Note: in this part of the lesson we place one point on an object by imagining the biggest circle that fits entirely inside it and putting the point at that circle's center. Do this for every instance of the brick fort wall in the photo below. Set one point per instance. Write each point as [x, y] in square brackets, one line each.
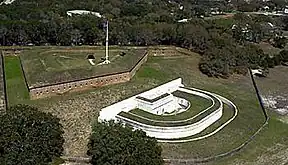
[163, 51]
[79, 85]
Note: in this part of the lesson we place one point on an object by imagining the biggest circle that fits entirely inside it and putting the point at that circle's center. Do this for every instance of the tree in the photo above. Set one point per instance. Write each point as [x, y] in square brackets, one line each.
[28, 136]
[279, 42]
[283, 56]
[113, 144]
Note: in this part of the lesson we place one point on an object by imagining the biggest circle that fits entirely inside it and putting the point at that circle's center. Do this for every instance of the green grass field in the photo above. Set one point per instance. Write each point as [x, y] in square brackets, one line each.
[15, 83]
[50, 66]
[78, 110]
[269, 147]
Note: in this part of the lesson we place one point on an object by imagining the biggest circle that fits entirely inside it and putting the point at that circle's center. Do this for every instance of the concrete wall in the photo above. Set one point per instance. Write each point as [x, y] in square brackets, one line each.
[162, 89]
[176, 131]
[159, 107]
[182, 101]
[110, 112]
[60, 89]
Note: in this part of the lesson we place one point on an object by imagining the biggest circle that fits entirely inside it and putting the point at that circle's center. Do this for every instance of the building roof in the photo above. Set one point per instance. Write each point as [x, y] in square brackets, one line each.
[81, 12]
[154, 99]
[7, 2]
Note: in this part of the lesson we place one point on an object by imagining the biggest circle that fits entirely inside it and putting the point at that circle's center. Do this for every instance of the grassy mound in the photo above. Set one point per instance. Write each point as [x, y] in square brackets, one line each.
[45, 67]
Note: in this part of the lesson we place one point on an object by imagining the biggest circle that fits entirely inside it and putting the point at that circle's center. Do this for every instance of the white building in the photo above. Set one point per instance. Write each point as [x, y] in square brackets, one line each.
[158, 104]
[183, 20]
[157, 101]
[7, 2]
[83, 12]
[286, 10]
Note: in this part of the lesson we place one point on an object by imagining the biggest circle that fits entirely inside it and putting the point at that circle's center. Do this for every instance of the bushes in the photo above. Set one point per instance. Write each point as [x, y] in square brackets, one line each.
[221, 62]
[153, 24]
[28, 136]
[283, 56]
[277, 59]
[113, 144]
[279, 42]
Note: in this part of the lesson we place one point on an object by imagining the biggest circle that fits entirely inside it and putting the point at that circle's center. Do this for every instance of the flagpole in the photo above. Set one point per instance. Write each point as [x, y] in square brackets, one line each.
[107, 40]
[106, 61]
[107, 45]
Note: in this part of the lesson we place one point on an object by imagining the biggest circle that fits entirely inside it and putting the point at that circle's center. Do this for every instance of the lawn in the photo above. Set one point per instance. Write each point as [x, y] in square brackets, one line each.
[268, 147]
[50, 66]
[78, 110]
[15, 83]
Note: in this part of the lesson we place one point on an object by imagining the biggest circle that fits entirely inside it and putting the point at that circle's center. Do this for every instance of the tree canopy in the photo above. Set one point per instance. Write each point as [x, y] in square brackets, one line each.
[28, 136]
[221, 42]
[115, 144]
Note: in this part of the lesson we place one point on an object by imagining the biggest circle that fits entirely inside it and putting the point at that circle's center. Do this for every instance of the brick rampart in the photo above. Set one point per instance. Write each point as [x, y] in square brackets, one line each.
[62, 88]
[163, 51]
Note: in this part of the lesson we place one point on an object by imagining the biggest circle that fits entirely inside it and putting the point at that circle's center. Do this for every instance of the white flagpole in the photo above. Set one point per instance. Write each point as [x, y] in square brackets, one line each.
[107, 40]
[106, 61]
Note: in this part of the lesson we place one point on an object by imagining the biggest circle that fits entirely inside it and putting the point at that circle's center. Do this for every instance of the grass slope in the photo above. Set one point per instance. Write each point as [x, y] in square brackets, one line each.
[15, 83]
[268, 147]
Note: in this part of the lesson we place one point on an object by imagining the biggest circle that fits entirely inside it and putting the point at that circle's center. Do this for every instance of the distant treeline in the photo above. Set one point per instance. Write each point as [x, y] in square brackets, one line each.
[225, 44]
